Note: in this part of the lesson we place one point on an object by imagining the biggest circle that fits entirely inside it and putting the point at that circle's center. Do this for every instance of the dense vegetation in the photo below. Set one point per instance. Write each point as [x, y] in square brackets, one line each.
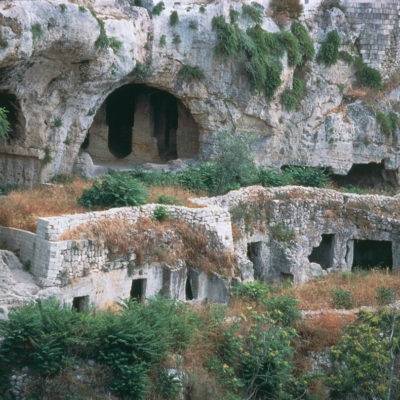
[138, 350]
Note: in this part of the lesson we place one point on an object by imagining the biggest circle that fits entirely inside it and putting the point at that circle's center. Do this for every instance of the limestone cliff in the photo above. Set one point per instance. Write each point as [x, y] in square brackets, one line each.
[61, 60]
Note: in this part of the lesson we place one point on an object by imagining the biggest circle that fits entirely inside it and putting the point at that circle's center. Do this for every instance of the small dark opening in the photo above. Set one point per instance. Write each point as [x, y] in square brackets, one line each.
[188, 290]
[254, 254]
[10, 103]
[80, 303]
[165, 116]
[286, 277]
[372, 253]
[367, 176]
[138, 289]
[323, 254]
[120, 111]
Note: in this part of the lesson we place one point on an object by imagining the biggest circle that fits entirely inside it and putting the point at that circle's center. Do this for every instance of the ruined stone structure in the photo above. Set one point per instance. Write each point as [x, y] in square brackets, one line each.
[63, 89]
[275, 234]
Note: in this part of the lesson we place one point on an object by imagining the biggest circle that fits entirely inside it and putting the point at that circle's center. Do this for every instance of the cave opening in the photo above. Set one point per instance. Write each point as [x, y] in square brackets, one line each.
[14, 115]
[367, 176]
[138, 123]
[188, 290]
[256, 254]
[323, 254]
[80, 303]
[369, 254]
[138, 289]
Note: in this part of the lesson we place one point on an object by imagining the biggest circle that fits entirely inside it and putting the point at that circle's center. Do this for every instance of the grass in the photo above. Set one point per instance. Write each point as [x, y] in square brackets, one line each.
[21, 208]
[317, 294]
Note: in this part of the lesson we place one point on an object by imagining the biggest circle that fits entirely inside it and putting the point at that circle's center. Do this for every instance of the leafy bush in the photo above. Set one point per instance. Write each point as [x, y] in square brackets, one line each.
[188, 72]
[233, 15]
[306, 45]
[174, 18]
[114, 44]
[163, 41]
[388, 123]
[283, 309]
[115, 190]
[270, 177]
[282, 234]
[307, 176]
[342, 299]
[385, 296]
[177, 39]
[368, 76]
[346, 57]
[290, 98]
[254, 12]
[5, 126]
[291, 44]
[291, 8]
[158, 8]
[362, 363]
[160, 214]
[254, 291]
[37, 31]
[165, 199]
[329, 51]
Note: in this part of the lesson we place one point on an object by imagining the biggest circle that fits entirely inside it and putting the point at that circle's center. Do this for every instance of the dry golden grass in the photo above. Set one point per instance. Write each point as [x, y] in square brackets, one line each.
[181, 194]
[317, 294]
[21, 209]
[147, 239]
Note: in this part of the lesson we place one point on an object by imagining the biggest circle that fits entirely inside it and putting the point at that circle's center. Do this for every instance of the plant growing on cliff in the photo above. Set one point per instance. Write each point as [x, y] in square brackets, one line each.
[160, 214]
[254, 12]
[174, 18]
[290, 98]
[388, 123]
[37, 31]
[367, 75]
[306, 46]
[191, 73]
[163, 41]
[5, 126]
[329, 51]
[291, 8]
[158, 8]
[115, 190]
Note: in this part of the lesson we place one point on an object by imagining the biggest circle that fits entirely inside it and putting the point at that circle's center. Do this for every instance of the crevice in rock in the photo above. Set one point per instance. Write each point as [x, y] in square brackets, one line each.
[323, 254]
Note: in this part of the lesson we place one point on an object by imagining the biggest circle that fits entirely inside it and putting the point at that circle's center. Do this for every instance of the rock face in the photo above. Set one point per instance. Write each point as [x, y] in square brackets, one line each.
[60, 61]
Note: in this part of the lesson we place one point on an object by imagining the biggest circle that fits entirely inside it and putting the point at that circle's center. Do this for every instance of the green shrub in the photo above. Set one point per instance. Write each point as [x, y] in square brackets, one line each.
[58, 122]
[63, 8]
[228, 37]
[306, 46]
[141, 70]
[191, 73]
[255, 13]
[37, 31]
[329, 51]
[346, 57]
[385, 296]
[174, 18]
[368, 76]
[193, 25]
[253, 291]
[115, 44]
[342, 299]
[5, 126]
[160, 214]
[361, 362]
[307, 176]
[158, 8]
[270, 177]
[388, 123]
[283, 309]
[291, 44]
[115, 190]
[282, 234]
[177, 39]
[202, 9]
[163, 41]
[288, 100]
[165, 199]
[233, 15]
[169, 384]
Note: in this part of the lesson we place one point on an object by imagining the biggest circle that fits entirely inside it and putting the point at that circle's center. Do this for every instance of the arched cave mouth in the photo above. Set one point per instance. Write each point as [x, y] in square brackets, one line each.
[368, 176]
[14, 116]
[138, 123]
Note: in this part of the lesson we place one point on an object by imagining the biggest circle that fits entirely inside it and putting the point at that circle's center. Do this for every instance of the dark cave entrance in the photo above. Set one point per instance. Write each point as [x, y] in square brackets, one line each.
[372, 253]
[80, 304]
[188, 290]
[139, 123]
[367, 176]
[323, 254]
[14, 114]
[255, 255]
[138, 289]
[120, 112]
